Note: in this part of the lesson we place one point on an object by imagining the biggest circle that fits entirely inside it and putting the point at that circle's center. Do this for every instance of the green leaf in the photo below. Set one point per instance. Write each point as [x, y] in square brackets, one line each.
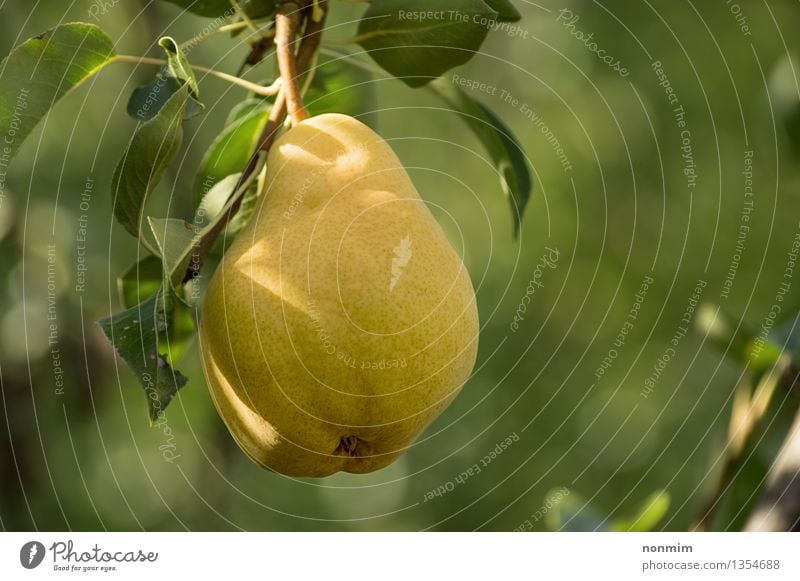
[339, 88]
[652, 511]
[181, 332]
[418, 40]
[245, 108]
[231, 150]
[146, 101]
[501, 144]
[42, 70]
[175, 238]
[223, 8]
[506, 11]
[214, 200]
[152, 148]
[137, 334]
[241, 217]
[178, 66]
[217, 199]
[140, 281]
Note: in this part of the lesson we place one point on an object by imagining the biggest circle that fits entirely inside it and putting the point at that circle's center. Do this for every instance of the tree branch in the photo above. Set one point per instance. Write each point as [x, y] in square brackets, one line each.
[287, 21]
[746, 415]
[244, 83]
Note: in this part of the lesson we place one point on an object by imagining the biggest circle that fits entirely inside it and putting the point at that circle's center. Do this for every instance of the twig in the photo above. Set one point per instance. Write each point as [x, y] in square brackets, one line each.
[779, 506]
[250, 86]
[232, 27]
[746, 416]
[287, 21]
[245, 18]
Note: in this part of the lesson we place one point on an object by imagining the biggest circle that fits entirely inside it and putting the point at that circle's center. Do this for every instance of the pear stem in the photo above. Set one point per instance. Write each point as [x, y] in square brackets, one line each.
[287, 21]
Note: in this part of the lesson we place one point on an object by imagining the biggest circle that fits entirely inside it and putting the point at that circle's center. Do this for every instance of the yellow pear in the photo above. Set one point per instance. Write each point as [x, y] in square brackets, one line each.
[340, 322]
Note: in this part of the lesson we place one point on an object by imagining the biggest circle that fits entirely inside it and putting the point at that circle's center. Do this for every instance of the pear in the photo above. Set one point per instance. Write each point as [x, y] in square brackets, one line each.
[340, 322]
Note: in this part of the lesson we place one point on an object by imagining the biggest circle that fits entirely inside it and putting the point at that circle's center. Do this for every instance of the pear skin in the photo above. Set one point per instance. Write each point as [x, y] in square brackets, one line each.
[340, 322]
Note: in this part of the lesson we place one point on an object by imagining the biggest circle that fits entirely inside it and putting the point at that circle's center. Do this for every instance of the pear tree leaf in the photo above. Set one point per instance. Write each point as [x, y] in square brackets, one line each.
[223, 8]
[571, 513]
[140, 281]
[251, 197]
[153, 146]
[175, 238]
[181, 332]
[178, 66]
[213, 202]
[231, 150]
[137, 335]
[339, 88]
[501, 144]
[147, 100]
[506, 11]
[245, 108]
[217, 199]
[42, 70]
[418, 40]
[652, 511]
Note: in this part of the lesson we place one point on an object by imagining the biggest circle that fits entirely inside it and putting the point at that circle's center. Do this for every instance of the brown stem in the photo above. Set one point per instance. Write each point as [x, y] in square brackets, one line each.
[749, 408]
[312, 36]
[778, 509]
[287, 21]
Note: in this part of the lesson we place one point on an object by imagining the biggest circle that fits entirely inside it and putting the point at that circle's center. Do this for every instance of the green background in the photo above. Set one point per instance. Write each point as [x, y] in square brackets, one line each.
[87, 459]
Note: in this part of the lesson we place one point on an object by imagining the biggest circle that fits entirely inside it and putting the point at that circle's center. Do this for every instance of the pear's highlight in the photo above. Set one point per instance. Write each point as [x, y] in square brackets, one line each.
[340, 322]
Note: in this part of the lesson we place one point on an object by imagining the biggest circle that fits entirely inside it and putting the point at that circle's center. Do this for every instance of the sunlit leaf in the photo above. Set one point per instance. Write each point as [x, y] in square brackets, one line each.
[42, 70]
[146, 101]
[178, 66]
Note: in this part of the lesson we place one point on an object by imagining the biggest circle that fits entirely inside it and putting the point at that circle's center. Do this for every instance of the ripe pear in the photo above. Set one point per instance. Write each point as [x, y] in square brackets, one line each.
[340, 322]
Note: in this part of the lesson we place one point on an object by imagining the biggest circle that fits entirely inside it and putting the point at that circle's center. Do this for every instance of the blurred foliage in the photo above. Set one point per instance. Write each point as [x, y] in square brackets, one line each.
[77, 450]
